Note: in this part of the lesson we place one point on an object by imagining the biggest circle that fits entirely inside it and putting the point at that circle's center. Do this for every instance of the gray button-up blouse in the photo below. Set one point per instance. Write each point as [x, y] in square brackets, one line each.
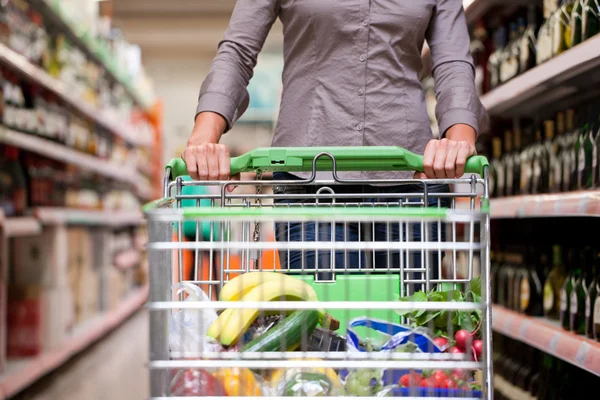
[351, 71]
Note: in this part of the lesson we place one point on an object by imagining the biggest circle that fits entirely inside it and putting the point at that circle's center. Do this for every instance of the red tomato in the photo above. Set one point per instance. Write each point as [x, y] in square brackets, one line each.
[439, 377]
[449, 383]
[459, 374]
[411, 380]
[427, 383]
[195, 382]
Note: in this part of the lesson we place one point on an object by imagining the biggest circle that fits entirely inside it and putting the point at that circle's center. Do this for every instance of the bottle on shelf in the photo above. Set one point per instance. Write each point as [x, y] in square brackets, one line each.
[579, 294]
[592, 295]
[576, 139]
[526, 160]
[545, 36]
[566, 18]
[507, 163]
[587, 156]
[595, 304]
[567, 288]
[561, 21]
[577, 23]
[531, 293]
[558, 164]
[568, 152]
[509, 59]
[497, 169]
[590, 19]
[516, 159]
[553, 285]
[520, 274]
[13, 188]
[540, 168]
[494, 60]
[527, 47]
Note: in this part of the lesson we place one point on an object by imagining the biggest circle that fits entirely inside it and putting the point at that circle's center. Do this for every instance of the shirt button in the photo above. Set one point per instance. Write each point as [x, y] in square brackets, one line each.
[365, 22]
[359, 127]
[362, 58]
[360, 92]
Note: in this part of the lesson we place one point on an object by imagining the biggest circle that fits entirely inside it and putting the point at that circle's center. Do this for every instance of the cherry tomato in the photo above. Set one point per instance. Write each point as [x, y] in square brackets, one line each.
[449, 383]
[427, 383]
[439, 377]
[411, 380]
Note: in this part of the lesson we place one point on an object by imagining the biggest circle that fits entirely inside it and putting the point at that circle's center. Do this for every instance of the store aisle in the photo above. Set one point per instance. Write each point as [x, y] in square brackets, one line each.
[112, 369]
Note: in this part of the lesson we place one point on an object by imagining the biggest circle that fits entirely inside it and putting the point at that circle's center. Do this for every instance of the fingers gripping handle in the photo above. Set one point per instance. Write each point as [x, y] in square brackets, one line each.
[301, 159]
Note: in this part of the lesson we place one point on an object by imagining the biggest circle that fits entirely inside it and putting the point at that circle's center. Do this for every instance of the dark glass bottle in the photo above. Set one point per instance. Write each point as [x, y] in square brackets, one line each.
[553, 286]
[567, 288]
[497, 169]
[528, 50]
[507, 162]
[593, 291]
[531, 293]
[576, 23]
[590, 20]
[578, 295]
[516, 160]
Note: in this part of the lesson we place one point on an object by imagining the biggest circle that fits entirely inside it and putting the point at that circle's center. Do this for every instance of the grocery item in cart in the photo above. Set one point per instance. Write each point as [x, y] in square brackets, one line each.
[187, 327]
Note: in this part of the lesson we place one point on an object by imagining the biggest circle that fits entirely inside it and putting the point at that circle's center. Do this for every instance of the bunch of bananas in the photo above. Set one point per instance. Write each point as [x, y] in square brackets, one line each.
[259, 286]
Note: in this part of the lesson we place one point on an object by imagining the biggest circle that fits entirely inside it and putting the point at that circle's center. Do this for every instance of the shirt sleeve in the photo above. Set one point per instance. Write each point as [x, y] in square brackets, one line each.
[453, 70]
[224, 91]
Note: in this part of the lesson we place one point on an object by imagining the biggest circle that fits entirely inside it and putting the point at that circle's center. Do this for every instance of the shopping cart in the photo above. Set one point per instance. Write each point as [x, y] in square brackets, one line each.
[370, 258]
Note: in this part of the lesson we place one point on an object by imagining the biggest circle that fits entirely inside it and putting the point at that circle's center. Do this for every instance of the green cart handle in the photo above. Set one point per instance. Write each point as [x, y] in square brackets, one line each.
[300, 159]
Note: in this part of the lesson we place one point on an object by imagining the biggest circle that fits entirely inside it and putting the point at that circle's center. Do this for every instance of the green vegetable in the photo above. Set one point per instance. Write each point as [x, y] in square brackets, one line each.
[445, 321]
[364, 382]
[287, 334]
[308, 384]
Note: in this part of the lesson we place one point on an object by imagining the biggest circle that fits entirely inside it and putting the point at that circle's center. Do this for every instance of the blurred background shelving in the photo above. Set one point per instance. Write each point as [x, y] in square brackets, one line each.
[536, 67]
[80, 152]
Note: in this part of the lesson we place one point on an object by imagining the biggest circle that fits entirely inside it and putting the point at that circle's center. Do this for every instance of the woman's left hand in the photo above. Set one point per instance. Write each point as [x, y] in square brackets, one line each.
[446, 158]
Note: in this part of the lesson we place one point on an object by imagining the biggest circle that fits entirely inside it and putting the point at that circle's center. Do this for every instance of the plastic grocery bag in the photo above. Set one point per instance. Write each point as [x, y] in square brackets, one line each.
[384, 336]
[387, 336]
[187, 327]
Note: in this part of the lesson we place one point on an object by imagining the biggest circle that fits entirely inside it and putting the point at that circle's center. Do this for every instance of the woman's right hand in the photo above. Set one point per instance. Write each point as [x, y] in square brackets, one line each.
[204, 157]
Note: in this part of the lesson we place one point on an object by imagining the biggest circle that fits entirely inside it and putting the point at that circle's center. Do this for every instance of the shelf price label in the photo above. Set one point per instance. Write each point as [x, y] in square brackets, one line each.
[582, 353]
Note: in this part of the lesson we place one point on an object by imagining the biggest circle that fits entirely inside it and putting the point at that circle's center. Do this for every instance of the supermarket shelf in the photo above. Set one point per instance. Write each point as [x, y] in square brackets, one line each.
[36, 74]
[553, 81]
[65, 154]
[584, 203]
[475, 10]
[548, 337]
[53, 17]
[23, 373]
[127, 259]
[111, 218]
[20, 226]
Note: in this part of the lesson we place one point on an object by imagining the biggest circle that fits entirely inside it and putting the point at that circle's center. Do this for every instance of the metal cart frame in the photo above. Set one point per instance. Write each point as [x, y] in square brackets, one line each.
[166, 219]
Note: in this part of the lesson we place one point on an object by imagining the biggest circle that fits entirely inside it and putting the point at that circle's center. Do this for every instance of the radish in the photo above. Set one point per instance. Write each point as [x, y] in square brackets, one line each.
[456, 350]
[463, 338]
[478, 348]
[441, 343]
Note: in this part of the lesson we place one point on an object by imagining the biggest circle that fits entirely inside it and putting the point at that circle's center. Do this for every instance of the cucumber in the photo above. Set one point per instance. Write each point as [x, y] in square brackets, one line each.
[288, 333]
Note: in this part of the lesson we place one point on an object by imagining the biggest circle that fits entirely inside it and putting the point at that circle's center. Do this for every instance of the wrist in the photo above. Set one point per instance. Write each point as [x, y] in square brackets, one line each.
[208, 128]
[461, 133]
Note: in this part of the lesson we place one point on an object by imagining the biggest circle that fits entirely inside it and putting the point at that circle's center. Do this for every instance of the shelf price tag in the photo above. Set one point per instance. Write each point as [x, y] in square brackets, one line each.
[582, 353]
[554, 343]
[523, 328]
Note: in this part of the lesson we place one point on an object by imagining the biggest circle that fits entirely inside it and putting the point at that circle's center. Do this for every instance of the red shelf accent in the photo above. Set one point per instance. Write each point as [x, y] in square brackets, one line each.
[548, 336]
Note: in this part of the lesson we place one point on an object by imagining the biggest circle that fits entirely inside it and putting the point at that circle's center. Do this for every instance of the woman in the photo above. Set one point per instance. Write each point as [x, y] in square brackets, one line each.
[351, 78]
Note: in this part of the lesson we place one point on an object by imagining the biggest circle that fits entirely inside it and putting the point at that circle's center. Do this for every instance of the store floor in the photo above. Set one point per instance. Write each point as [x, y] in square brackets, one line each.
[112, 369]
